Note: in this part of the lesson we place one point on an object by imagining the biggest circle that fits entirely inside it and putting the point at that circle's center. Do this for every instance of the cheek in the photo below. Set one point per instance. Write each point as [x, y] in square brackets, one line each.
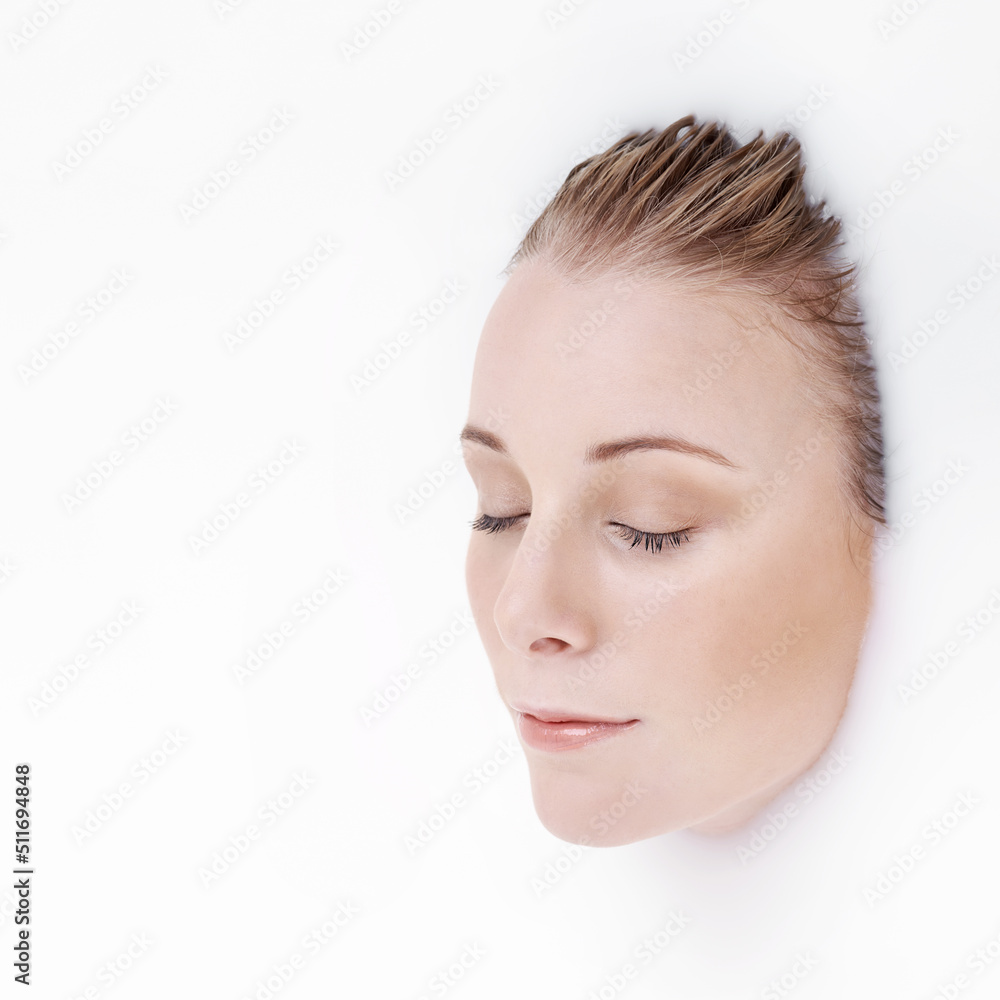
[484, 578]
[762, 635]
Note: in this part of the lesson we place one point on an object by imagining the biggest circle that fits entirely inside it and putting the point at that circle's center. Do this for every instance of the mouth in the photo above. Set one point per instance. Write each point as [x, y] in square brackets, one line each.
[555, 731]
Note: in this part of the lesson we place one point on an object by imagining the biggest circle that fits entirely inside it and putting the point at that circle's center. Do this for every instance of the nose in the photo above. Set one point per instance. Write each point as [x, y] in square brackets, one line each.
[548, 604]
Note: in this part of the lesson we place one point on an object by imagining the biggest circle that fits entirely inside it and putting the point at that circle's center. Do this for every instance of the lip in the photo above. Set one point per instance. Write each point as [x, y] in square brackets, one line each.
[554, 731]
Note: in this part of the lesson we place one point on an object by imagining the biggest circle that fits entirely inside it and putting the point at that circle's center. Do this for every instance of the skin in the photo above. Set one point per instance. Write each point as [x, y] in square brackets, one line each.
[736, 649]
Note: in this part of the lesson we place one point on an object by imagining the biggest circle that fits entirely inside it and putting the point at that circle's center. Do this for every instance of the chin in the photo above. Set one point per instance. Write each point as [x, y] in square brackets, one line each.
[606, 811]
[564, 822]
[603, 813]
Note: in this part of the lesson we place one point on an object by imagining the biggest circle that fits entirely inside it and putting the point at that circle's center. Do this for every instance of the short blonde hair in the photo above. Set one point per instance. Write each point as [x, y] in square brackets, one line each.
[692, 205]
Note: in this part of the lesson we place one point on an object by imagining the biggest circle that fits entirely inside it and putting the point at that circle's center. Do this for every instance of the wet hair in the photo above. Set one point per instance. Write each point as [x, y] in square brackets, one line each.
[692, 205]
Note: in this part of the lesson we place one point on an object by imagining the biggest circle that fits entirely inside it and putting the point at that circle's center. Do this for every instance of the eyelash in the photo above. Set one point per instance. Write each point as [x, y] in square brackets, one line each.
[652, 541]
[491, 525]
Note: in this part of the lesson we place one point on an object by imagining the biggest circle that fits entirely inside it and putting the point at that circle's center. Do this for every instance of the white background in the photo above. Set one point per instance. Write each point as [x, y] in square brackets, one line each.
[135, 871]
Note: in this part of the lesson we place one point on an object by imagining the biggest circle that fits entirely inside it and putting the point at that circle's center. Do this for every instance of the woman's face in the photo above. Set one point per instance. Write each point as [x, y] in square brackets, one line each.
[681, 681]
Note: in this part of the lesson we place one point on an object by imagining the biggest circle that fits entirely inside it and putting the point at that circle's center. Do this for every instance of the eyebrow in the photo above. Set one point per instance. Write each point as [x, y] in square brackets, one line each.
[610, 450]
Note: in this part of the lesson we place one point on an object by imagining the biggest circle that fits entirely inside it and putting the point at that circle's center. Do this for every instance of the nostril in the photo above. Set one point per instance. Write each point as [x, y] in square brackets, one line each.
[548, 644]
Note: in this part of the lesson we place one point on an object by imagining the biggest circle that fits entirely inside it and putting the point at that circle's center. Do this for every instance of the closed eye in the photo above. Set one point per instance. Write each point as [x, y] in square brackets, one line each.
[490, 524]
[652, 541]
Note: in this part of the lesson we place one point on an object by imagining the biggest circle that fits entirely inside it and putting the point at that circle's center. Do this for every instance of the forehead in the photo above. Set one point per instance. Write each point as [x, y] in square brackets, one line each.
[578, 362]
